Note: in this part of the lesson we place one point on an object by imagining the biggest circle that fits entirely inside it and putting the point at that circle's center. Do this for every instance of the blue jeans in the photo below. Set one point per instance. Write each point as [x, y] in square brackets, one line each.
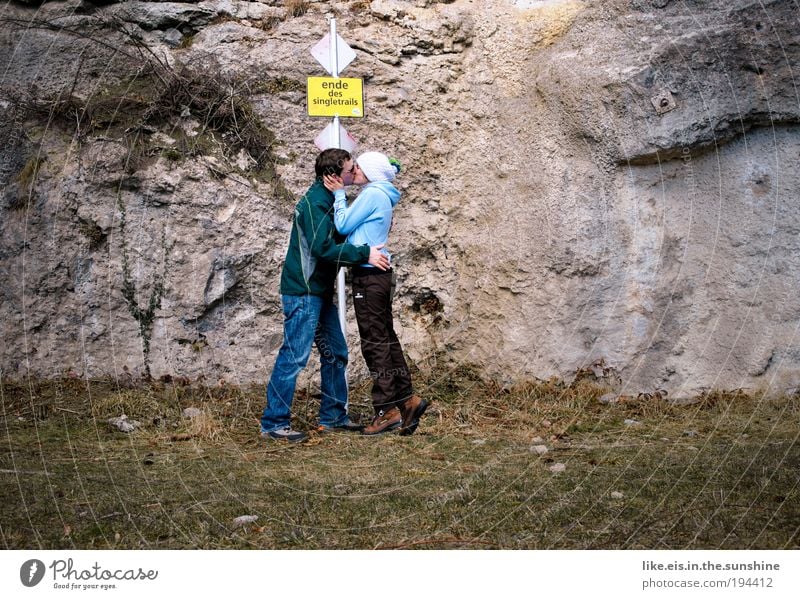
[307, 320]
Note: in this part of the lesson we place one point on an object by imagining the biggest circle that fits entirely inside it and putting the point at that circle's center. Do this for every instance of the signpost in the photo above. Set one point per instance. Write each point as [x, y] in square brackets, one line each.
[329, 96]
[335, 97]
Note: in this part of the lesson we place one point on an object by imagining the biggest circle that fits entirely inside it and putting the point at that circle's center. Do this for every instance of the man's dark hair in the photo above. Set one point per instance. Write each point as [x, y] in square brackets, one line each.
[331, 161]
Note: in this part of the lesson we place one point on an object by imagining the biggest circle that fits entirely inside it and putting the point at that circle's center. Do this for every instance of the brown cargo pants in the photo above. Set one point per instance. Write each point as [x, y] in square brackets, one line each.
[372, 299]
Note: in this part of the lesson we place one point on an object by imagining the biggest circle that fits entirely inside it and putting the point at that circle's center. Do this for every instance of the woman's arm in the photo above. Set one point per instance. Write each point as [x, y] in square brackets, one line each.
[348, 218]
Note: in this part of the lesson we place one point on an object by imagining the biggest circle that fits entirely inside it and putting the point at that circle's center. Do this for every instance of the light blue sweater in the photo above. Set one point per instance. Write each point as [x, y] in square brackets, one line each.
[368, 219]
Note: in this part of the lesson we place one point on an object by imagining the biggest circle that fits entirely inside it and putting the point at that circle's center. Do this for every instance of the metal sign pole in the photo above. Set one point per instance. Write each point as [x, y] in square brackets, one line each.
[335, 139]
[327, 97]
[336, 142]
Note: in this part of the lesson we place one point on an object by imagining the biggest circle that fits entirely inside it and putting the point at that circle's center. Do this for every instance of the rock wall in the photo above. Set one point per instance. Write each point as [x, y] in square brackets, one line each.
[584, 183]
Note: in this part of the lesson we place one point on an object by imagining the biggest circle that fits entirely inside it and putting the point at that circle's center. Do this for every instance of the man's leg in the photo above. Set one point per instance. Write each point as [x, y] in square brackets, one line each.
[300, 317]
[333, 363]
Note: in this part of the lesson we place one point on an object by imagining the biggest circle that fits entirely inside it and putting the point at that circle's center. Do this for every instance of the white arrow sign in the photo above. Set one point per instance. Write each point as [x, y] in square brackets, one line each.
[326, 139]
[344, 54]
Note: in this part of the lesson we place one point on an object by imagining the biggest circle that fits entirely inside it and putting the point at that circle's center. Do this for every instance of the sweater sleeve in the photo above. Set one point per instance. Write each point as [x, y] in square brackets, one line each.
[348, 218]
[317, 229]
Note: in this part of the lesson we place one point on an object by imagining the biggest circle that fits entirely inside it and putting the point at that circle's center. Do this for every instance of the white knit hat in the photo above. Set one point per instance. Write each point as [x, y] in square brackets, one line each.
[376, 166]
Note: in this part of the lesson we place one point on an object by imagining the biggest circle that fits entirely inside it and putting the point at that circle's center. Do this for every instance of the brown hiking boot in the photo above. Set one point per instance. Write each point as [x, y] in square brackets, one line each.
[383, 422]
[412, 410]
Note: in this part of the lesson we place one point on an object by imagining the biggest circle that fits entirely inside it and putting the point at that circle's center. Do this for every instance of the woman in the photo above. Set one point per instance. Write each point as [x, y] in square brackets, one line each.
[368, 220]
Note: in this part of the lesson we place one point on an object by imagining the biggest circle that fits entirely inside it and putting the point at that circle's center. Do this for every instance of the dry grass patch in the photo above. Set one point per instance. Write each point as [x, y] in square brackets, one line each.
[720, 473]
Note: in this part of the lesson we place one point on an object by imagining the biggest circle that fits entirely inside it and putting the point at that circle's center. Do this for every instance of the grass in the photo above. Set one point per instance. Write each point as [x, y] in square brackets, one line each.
[721, 473]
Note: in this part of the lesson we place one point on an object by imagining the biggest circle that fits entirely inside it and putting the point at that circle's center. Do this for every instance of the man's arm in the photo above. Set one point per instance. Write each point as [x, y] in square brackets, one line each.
[316, 226]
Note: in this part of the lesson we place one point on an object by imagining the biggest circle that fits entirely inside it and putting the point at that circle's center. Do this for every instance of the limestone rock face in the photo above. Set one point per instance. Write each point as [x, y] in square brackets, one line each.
[583, 183]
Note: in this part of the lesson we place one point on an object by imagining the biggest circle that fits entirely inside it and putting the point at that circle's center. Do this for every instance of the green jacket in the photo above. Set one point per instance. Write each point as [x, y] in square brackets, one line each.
[314, 256]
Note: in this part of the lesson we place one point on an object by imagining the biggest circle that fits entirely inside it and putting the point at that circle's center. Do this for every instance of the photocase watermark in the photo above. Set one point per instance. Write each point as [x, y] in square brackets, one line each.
[31, 572]
[66, 575]
[388, 373]
[327, 354]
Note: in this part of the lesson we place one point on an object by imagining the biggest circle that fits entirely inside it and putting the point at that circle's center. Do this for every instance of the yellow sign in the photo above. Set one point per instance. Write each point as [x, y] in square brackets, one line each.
[335, 96]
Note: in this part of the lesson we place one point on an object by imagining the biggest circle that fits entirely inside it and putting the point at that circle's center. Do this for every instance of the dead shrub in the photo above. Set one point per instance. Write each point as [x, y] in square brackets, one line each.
[296, 8]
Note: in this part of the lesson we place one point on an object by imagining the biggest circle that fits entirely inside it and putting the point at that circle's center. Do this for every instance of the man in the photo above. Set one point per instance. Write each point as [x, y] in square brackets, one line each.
[310, 316]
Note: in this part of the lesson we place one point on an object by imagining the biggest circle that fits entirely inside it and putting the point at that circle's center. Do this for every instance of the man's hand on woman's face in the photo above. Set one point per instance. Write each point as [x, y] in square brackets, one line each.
[333, 182]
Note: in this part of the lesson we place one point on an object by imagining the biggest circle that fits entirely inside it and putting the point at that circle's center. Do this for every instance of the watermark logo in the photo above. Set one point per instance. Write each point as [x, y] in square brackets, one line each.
[31, 572]
[66, 574]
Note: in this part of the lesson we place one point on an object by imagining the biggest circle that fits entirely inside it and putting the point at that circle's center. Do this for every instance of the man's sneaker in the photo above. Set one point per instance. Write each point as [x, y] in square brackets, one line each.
[348, 426]
[412, 410]
[384, 422]
[285, 434]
